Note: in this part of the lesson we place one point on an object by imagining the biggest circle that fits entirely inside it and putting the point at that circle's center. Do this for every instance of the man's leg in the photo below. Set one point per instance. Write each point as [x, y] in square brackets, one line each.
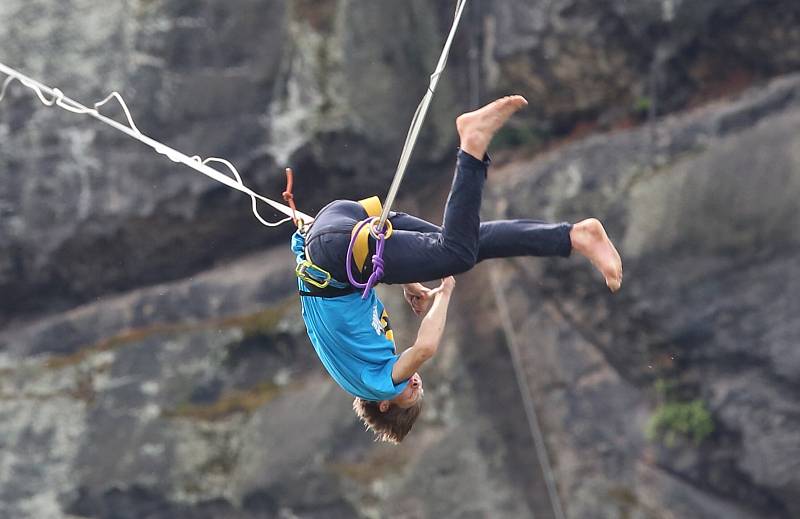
[509, 238]
[423, 261]
[424, 256]
[504, 238]
[413, 256]
[420, 251]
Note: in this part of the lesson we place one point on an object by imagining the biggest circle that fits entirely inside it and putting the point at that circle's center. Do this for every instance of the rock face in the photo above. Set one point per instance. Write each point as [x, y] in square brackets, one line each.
[704, 210]
[600, 64]
[202, 398]
[153, 360]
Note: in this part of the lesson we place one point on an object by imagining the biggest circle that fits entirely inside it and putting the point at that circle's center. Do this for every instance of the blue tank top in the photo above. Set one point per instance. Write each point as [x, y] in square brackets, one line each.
[352, 337]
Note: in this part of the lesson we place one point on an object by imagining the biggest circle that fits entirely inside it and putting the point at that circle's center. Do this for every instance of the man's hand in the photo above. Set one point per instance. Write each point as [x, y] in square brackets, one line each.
[420, 297]
[448, 284]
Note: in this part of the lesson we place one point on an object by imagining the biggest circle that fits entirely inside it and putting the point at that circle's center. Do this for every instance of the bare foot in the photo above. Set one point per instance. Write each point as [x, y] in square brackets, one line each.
[477, 128]
[589, 238]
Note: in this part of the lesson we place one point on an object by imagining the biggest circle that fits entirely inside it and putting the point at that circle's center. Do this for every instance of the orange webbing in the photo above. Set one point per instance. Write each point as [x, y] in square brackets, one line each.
[288, 197]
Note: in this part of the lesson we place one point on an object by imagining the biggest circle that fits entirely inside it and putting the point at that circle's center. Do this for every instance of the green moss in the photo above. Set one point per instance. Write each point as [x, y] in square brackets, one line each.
[378, 464]
[642, 105]
[264, 322]
[240, 401]
[626, 500]
[623, 495]
[223, 463]
[112, 343]
[673, 420]
[260, 323]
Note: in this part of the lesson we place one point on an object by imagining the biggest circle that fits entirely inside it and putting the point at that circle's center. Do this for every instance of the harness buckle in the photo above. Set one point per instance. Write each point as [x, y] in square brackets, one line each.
[306, 271]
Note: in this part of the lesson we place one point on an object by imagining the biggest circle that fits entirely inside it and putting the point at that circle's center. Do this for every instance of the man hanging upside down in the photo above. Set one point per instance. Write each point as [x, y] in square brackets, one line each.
[353, 337]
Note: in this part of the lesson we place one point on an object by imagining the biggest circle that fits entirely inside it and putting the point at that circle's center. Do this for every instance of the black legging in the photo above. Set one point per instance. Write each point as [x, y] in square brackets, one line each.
[421, 251]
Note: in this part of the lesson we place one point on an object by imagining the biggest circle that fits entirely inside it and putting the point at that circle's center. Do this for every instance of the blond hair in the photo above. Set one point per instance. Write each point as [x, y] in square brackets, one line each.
[391, 426]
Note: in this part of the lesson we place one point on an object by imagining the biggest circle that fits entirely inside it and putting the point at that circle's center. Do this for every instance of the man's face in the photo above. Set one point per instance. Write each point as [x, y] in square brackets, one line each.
[411, 394]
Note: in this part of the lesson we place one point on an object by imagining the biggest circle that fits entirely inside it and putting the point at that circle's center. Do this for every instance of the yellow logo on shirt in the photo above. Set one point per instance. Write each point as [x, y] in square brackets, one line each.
[381, 325]
[387, 327]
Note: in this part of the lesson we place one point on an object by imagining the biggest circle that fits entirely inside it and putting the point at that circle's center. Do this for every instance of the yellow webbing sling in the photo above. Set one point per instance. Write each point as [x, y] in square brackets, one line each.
[372, 206]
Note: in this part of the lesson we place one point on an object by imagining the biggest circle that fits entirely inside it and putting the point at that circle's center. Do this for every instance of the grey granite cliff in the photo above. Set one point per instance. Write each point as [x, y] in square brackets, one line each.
[152, 358]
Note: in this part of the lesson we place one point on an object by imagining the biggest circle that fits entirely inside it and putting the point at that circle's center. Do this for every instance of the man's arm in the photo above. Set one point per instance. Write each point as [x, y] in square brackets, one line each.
[428, 337]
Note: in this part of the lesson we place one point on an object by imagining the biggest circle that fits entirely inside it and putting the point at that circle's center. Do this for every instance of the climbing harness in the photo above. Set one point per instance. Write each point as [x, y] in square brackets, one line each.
[377, 227]
[319, 281]
[57, 98]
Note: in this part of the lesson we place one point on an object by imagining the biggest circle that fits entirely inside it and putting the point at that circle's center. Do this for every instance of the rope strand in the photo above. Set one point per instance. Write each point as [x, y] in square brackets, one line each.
[540, 445]
[419, 117]
[195, 162]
